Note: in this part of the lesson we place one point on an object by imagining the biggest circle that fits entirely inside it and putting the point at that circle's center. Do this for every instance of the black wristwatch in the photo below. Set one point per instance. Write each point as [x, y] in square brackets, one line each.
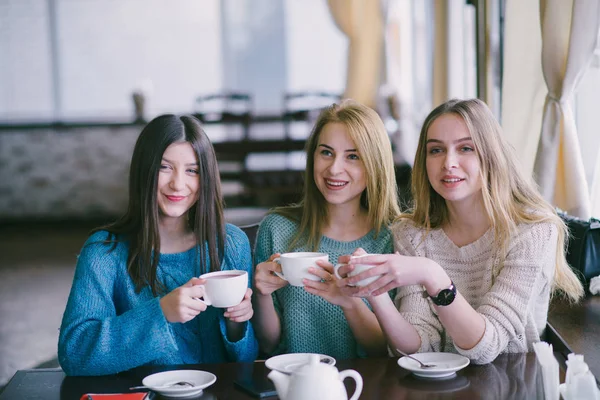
[445, 297]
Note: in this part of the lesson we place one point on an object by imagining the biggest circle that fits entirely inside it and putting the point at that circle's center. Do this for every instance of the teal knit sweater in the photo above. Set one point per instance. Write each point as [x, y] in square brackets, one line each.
[107, 327]
[309, 323]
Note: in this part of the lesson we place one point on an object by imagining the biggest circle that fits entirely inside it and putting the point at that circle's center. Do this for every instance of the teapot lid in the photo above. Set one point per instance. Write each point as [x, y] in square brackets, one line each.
[315, 365]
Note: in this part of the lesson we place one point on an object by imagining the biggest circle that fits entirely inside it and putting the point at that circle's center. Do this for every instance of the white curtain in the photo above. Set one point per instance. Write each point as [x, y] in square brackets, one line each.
[362, 22]
[399, 78]
[595, 193]
[440, 53]
[523, 86]
[596, 188]
[569, 38]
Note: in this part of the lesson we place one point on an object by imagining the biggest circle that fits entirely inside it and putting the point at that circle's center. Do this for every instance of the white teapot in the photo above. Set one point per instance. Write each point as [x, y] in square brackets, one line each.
[315, 380]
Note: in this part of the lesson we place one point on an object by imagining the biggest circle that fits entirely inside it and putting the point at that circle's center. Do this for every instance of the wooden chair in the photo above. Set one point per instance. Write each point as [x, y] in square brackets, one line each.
[305, 106]
[250, 231]
[228, 107]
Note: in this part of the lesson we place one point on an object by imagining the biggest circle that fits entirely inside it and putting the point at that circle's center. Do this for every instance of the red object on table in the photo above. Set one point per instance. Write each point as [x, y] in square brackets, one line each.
[115, 396]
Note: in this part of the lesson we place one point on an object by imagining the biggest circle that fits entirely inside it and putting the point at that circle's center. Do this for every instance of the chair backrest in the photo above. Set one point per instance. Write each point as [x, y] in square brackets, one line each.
[250, 231]
[308, 101]
[224, 107]
[583, 249]
[301, 109]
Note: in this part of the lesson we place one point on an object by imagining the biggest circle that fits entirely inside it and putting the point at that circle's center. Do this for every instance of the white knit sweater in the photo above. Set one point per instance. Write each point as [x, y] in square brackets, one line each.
[514, 306]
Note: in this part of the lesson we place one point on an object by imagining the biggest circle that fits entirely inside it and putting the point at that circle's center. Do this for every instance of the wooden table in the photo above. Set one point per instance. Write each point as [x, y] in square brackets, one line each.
[576, 329]
[510, 376]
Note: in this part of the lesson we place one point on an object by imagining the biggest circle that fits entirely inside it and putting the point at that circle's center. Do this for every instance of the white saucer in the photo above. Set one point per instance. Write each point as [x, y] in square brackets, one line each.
[446, 364]
[201, 380]
[288, 363]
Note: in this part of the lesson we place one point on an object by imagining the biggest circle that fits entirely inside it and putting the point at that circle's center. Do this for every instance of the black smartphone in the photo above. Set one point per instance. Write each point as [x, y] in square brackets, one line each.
[258, 388]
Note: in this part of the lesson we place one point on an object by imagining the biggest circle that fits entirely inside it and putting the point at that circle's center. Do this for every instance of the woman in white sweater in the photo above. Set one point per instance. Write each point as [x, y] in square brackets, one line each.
[478, 256]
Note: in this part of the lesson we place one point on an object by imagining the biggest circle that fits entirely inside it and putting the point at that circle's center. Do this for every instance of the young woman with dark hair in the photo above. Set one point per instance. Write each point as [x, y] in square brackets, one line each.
[134, 299]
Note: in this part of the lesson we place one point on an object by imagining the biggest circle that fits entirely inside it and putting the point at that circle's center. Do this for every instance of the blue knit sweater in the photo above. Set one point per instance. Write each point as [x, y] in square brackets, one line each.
[107, 327]
[310, 324]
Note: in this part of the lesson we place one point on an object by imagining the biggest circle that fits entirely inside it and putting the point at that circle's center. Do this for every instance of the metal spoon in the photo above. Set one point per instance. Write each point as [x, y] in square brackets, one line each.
[423, 365]
[167, 386]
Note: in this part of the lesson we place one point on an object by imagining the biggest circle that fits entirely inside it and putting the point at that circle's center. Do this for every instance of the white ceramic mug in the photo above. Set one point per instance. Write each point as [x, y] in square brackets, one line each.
[359, 268]
[224, 289]
[294, 266]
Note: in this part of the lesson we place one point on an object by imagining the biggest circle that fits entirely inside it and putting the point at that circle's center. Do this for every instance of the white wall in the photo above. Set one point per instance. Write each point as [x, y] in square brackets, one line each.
[25, 63]
[106, 49]
[316, 49]
[109, 48]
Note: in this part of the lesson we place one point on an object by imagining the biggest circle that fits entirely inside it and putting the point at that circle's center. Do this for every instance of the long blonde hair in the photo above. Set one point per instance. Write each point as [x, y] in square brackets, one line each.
[508, 197]
[380, 198]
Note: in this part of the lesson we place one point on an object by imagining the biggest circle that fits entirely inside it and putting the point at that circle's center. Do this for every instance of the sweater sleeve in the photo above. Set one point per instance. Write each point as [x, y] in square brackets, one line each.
[264, 240]
[265, 244]
[410, 302]
[529, 263]
[94, 339]
[265, 248]
[238, 256]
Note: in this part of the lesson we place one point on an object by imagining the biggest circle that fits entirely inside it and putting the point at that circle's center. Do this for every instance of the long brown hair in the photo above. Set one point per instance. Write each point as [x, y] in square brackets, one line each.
[138, 227]
[380, 198]
[509, 197]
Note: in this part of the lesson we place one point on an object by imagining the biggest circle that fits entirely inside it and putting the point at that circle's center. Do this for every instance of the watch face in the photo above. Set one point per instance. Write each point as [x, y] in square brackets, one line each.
[445, 297]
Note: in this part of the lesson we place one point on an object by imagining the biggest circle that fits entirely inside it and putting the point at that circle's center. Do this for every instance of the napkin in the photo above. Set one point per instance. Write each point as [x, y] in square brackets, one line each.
[580, 382]
[550, 377]
[595, 285]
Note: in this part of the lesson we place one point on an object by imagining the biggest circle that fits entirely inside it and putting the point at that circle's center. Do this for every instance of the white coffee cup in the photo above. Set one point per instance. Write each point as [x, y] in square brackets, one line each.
[224, 289]
[359, 268]
[294, 266]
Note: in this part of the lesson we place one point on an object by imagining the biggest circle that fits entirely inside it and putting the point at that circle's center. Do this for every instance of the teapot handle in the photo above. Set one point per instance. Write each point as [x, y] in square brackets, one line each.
[350, 373]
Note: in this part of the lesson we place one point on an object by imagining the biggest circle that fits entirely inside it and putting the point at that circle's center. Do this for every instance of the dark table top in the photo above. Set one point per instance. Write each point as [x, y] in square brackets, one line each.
[510, 376]
[576, 329]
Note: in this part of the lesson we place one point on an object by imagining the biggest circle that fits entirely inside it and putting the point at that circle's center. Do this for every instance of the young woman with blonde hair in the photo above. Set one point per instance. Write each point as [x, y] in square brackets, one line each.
[480, 254]
[350, 197]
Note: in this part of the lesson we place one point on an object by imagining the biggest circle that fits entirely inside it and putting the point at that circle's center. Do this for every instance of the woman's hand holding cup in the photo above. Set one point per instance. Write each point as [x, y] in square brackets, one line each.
[326, 286]
[265, 280]
[343, 268]
[243, 311]
[386, 272]
[362, 274]
[181, 304]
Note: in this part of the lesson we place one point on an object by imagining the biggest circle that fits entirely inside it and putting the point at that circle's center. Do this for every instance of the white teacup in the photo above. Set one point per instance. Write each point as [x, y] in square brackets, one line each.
[224, 289]
[359, 268]
[294, 266]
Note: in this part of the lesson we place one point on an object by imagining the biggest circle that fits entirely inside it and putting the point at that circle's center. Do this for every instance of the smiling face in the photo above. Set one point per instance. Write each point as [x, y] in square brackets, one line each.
[339, 172]
[452, 164]
[178, 180]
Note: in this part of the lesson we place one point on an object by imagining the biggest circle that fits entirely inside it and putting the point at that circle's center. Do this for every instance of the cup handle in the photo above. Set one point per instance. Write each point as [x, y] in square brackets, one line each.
[279, 274]
[350, 373]
[206, 300]
[335, 270]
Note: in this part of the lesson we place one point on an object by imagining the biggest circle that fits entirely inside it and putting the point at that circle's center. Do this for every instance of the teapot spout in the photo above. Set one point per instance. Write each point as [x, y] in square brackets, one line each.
[281, 381]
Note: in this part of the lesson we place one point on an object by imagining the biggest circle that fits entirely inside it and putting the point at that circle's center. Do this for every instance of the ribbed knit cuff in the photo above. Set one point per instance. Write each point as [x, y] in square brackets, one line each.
[245, 349]
[480, 353]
